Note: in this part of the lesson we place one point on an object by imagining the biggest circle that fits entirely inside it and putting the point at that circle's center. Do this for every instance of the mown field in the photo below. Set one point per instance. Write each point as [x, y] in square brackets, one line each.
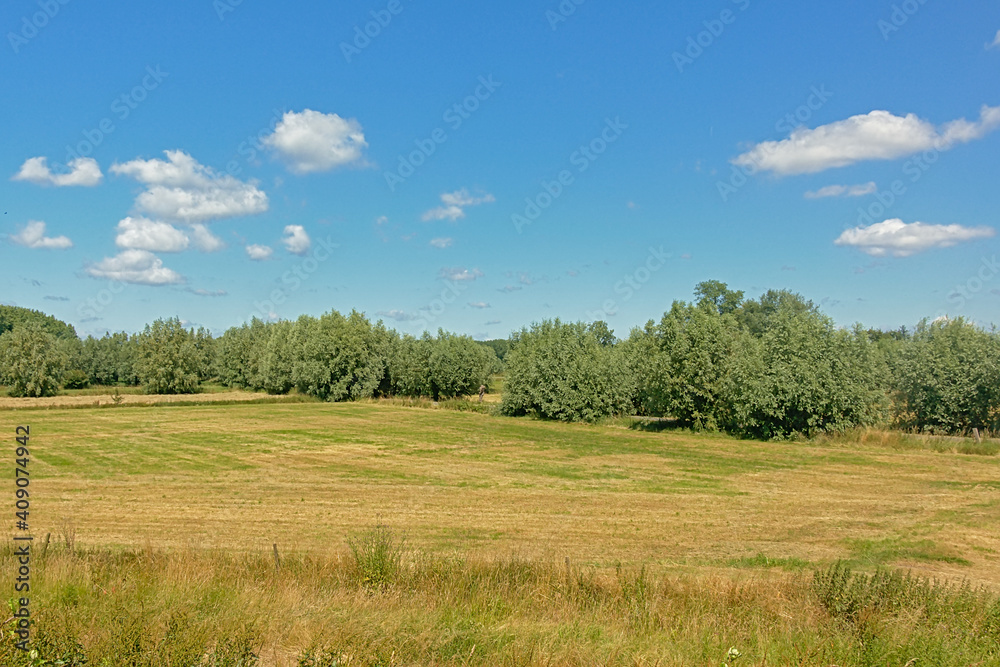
[524, 542]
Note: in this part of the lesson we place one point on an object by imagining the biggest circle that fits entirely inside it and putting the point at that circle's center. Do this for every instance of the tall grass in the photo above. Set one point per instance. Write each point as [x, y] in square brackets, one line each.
[145, 607]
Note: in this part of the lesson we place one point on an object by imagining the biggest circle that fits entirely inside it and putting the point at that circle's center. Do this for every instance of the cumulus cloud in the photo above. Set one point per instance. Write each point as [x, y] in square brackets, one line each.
[138, 267]
[899, 239]
[843, 191]
[312, 141]
[259, 253]
[296, 240]
[145, 234]
[83, 171]
[878, 135]
[460, 274]
[33, 236]
[205, 240]
[454, 205]
[442, 243]
[398, 315]
[180, 189]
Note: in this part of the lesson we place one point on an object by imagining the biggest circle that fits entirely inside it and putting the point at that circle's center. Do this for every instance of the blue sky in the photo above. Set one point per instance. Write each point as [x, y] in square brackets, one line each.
[479, 166]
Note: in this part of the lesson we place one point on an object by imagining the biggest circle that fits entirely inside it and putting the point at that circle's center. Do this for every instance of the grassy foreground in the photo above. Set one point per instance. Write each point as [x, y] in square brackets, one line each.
[679, 546]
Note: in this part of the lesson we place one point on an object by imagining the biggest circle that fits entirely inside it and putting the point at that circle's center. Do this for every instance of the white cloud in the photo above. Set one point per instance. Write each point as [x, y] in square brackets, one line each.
[442, 242]
[83, 171]
[205, 292]
[996, 41]
[899, 239]
[313, 141]
[296, 240]
[843, 191]
[259, 253]
[205, 240]
[145, 234]
[181, 189]
[33, 236]
[139, 267]
[460, 274]
[479, 304]
[878, 135]
[398, 315]
[455, 204]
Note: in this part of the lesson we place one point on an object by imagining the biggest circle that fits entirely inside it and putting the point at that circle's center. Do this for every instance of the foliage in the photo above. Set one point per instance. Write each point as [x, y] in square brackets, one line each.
[948, 377]
[75, 379]
[444, 367]
[168, 358]
[12, 316]
[682, 364]
[110, 359]
[31, 361]
[804, 376]
[563, 371]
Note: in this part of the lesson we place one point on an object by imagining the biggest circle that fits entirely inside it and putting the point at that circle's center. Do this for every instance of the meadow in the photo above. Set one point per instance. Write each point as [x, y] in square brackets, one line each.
[411, 535]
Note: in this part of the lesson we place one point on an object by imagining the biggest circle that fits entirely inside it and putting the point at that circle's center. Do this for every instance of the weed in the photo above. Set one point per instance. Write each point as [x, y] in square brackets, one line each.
[377, 554]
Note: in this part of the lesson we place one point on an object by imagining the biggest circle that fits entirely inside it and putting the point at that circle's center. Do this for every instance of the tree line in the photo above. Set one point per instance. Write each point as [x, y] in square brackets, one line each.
[770, 367]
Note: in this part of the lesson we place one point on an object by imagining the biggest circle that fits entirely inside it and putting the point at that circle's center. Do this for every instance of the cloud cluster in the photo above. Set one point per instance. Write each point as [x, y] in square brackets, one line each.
[145, 234]
[878, 135]
[180, 189]
[311, 141]
[843, 191]
[454, 205]
[33, 236]
[460, 274]
[83, 172]
[899, 239]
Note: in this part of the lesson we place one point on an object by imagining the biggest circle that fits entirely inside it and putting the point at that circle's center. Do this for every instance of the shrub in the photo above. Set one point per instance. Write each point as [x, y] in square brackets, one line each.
[75, 379]
[563, 371]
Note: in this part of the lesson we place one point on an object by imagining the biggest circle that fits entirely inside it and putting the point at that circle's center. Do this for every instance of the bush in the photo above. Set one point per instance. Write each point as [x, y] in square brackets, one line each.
[75, 379]
[563, 371]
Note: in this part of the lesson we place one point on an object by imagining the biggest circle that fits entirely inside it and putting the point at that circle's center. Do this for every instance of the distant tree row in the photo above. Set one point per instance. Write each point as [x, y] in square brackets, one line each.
[765, 368]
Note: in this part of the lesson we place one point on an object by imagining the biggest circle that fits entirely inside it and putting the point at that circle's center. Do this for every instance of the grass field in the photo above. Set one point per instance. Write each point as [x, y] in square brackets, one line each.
[679, 545]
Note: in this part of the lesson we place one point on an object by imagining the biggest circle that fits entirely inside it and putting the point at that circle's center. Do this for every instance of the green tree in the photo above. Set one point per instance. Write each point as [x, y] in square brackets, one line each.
[168, 358]
[948, 377]
[341, 358]
[31, 361]
[562, 371]
[718, 295]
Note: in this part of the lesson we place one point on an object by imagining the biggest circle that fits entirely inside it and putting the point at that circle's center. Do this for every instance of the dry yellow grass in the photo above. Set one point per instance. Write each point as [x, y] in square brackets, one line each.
[305, 476]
